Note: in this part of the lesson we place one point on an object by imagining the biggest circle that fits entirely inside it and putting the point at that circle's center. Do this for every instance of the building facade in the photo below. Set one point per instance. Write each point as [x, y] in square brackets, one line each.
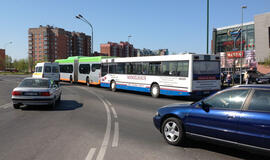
[48, 43]
[122, 49]
[149, 52]
[2, 59]
[226, 42]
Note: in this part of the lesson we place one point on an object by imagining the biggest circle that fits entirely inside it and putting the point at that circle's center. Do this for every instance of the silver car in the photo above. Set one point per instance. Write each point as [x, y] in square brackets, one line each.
[36, 91]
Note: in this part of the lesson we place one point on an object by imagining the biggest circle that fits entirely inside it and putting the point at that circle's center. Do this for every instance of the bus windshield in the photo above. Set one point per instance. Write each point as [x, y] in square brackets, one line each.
[206, 67]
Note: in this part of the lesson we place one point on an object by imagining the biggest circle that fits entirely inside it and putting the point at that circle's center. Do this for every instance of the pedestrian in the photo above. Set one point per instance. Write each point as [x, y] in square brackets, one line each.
[222, 78]
[246, 77]
[229, 79]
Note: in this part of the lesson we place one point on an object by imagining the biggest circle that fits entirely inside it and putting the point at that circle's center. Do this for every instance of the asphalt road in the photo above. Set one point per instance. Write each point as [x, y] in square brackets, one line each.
[95, 123]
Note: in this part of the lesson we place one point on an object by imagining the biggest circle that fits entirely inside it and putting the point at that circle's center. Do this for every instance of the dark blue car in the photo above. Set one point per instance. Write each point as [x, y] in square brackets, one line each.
[239, 115]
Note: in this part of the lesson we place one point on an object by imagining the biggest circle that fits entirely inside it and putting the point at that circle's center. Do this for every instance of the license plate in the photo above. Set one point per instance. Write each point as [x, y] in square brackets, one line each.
[30, 94]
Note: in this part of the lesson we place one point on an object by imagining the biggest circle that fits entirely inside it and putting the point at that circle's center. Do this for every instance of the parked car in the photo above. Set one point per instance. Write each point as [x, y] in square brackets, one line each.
[36, 91]
[239, 115]
[263, 79]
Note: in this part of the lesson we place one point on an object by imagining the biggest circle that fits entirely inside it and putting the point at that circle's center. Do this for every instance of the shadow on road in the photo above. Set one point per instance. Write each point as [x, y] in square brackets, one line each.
[231, 151]
[63, 105]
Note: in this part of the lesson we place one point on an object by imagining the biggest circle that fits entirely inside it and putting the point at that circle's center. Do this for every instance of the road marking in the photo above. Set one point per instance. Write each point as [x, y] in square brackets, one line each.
[108, 102]
[90, 154]
[5, 106]
[106, 139]
[116, 135]
[114, 112]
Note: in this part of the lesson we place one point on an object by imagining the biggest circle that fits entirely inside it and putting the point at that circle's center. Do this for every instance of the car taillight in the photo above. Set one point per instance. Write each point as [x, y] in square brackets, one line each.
[45, 94]
[16, 93]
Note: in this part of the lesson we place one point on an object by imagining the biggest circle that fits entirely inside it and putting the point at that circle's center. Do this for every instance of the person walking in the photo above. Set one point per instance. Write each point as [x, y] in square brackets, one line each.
[222, 78]
[229, 79]
[246, 77]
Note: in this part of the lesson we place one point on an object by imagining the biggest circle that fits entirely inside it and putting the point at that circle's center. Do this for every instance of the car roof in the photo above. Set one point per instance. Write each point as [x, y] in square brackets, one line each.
[263, 86]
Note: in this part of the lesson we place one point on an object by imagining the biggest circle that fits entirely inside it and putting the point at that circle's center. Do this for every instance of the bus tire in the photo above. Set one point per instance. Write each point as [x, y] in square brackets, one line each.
[87, 82]
[155, 90]
[113, 86]
[70, 80]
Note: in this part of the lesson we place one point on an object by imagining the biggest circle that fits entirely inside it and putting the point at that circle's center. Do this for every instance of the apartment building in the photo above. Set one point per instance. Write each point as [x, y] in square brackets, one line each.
[2, 59]
[122, 49]
[48, 43]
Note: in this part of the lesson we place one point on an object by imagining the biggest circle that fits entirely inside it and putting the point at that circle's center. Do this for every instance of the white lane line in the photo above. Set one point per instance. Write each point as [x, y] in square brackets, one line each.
[106, 139]
[5, 106]
[116, 135]
[90, 154]
[114, 112]
[108, 102]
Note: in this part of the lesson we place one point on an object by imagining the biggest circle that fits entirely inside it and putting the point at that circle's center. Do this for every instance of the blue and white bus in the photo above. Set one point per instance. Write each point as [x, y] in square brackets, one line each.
[174, 75]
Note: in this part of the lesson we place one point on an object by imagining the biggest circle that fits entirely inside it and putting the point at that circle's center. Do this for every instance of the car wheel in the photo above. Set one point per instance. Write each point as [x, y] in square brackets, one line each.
[113, 86]
[59, 99]
[172, 130]
[16, 106]
[52, 106]
[155, 90]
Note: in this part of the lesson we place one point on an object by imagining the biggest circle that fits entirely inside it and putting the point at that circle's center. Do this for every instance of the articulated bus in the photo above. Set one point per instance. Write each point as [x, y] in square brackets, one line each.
[81, 69]
[174, 75]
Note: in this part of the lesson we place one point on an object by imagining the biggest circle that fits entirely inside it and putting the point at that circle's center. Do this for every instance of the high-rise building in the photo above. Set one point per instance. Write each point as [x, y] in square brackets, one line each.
[122, 49]
[2, 59]
[48, 43]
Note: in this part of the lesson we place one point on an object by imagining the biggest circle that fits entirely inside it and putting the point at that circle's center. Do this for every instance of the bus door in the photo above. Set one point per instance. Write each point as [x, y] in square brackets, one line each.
[95, 73]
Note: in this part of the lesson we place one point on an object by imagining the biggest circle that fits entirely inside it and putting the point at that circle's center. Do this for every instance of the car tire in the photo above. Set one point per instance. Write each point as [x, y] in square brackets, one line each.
[59, 99]
[173, 131]
[155, 90]
[52, 106]
[113, 86]
[16, 106]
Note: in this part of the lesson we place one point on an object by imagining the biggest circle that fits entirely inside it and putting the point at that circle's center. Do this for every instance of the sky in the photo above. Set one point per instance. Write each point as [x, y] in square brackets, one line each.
[178, 25]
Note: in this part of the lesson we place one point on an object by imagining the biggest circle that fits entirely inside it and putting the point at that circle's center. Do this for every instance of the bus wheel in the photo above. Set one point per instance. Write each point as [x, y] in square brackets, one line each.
[155, 90]
[113, 86]
[87, 82]
[70, 80]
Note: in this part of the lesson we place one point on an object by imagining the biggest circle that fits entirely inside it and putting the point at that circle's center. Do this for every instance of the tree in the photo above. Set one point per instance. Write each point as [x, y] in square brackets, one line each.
[8, 62]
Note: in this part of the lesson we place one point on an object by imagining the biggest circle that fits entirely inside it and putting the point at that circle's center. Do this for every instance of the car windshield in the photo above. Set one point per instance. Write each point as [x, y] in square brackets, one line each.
[35, 83]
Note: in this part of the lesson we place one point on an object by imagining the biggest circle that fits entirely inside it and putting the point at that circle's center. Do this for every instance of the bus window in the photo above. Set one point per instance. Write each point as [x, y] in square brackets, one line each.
[112, 68]
[95, 67]
[145, 68]
[84, 68]
[154, 68]
[120, 68]
[104, 69]
[206, 67]
[182, 69]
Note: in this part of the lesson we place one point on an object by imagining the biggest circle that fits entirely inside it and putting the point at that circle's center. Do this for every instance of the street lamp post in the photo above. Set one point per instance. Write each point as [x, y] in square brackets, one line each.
[241, 44]
[129, 36]
[79, 16]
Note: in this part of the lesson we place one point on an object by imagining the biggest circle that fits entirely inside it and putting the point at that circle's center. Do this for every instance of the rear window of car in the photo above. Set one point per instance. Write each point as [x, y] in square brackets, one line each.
[48, 69]
[260, 101]
[35, 83]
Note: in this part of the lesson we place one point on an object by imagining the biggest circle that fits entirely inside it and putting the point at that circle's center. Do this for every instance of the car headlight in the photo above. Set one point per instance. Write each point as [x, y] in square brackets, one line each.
[156, 114]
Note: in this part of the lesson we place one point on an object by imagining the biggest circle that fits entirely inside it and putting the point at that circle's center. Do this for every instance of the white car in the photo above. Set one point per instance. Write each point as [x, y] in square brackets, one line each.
[36, 91]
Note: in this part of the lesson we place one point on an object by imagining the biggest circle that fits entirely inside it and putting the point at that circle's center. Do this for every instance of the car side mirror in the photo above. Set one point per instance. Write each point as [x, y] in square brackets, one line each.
[204, 106]
[55, 86]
